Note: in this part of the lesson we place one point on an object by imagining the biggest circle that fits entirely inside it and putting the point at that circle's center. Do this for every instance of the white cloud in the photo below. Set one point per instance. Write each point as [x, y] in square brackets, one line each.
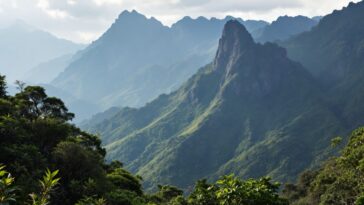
[111, 2]
[85, 20]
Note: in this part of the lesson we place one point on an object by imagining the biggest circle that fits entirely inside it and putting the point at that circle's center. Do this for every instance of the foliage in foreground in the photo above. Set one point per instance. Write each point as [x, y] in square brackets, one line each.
[47, 185]
[7, 191]
[229, 190]
[340, 181]
[36, 134]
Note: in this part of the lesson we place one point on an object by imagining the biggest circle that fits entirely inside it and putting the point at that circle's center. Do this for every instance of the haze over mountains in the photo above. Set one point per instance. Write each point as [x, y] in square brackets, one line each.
[122, 67]
[226, 118]
[45, 72]
[203, 112]
[339, 42]
[252, 111]
[285, 27]
[138, 58]
[24, 47]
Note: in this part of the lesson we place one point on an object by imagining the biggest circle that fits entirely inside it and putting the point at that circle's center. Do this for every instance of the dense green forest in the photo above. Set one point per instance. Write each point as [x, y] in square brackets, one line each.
[36, 137]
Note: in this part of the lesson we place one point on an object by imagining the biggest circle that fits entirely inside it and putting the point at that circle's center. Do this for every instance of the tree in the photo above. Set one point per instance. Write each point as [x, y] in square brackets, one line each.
[233, 191]
[122, 179]
[203, 194]
[34, 103]
[20, 85]
[165, 194]
[35, 133]
[3, 87]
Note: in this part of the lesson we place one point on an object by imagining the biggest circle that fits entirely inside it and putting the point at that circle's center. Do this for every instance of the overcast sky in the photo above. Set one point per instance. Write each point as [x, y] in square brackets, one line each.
[85, 20]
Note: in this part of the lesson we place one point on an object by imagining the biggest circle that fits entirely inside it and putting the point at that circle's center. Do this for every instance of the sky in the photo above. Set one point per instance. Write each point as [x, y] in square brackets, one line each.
[83, 21]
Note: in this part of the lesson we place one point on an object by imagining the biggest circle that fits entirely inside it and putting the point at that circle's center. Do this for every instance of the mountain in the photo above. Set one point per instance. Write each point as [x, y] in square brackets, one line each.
[252, 112]
[47, 71]
[73, 103]
[317, 18]
[24, 47]
[138, 58]
[285, 27]
[333, 52]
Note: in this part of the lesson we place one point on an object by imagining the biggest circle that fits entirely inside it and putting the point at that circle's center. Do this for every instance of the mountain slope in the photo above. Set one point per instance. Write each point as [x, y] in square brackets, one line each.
[251, 112]
[285, 27]
[138, 58]
[334, 53]
[47, 71]
[24, 47]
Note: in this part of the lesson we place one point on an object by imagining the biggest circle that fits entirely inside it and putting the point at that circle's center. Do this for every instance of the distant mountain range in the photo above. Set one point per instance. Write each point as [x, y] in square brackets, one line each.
[253, 111]
[45, 72]
[334, 53]
[24, 47]
[285, 27]
[138, 58]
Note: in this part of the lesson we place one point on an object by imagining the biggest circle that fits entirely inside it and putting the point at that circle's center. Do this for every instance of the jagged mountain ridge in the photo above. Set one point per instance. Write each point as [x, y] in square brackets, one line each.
[249, 105]
[109, 73]
[286, 27]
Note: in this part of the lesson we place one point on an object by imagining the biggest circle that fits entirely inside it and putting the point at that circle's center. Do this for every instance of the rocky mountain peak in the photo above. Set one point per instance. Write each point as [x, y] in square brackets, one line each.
[234, 41]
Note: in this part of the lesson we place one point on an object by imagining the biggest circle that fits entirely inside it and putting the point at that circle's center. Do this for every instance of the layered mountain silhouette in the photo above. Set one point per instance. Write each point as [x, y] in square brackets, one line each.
[285, 27]
[334, 53]
[139, 58]
[24, 47]
[251, 112]
[45, 72]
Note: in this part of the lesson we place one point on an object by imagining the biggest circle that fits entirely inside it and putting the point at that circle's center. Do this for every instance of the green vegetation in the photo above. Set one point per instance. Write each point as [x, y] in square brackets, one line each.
[252, 112]
[242, 114]
[35, 134]
[339, 181]
[47, 186]
[333, 53]
[7, 192]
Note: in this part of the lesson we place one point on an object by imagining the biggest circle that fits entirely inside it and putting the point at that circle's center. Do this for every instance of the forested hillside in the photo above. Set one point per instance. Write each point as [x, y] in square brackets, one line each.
[204, 112]
[35, 136]
[252, 111]
[242, 114]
